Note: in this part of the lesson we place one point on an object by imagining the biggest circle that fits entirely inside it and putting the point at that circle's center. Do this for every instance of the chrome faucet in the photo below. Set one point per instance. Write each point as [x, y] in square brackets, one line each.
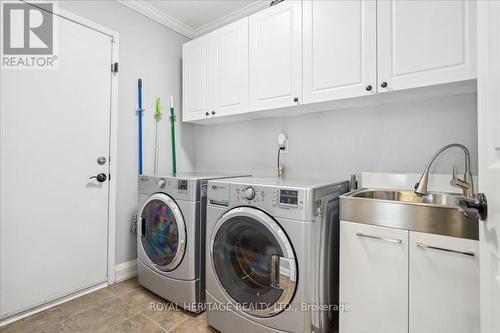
[465, 184]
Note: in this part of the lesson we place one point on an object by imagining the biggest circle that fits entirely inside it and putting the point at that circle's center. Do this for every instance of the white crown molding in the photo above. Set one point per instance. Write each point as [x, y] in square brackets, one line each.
[146, 9]
[234, 16]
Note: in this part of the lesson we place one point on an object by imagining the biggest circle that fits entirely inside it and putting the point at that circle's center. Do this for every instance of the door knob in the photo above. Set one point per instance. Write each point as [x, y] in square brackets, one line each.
[383, 84]
[100, 177]
[206, 114]
[368, 87]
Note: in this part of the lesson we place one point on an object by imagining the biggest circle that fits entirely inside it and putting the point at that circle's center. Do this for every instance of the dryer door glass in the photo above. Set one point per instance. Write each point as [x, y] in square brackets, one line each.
[160, 232]
[244, 253]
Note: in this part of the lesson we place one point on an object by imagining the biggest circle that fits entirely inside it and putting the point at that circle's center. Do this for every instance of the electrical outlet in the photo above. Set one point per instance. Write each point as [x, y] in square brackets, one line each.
[283, 142]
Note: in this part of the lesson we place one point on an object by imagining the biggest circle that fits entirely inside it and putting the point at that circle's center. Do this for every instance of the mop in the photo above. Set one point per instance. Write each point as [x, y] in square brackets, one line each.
[157, 141]
[172, 131]
[139, 113]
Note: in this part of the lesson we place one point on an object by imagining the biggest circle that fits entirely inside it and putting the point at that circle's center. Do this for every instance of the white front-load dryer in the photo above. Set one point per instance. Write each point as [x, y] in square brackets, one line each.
[272, 254]
[171, 237]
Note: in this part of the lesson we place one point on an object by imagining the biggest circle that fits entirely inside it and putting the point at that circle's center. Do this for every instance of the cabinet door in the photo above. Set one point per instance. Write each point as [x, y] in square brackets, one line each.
[229, 69]
[444, 284]
[340, 49]
[195, 79]
[425, 42]
[373, 279]
[276, 56]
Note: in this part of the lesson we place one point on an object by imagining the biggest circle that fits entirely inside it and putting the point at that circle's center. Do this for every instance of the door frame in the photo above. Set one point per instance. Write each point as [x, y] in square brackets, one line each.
[113, 132]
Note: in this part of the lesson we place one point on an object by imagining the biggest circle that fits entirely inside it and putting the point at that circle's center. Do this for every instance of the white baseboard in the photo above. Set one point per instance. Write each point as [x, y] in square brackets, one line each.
[49, 305]
[126, 270]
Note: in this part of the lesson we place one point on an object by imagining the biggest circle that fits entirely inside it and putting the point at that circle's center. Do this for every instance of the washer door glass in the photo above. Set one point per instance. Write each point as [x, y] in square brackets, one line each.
[244, 252]
[162, 231]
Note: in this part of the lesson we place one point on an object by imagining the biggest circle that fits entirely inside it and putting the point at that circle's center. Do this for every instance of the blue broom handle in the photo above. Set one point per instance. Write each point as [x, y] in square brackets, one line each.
[140, 124]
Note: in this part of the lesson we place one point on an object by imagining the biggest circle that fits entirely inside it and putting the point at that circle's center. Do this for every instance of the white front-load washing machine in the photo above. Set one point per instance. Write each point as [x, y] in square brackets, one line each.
[272, 254]
[171, 237]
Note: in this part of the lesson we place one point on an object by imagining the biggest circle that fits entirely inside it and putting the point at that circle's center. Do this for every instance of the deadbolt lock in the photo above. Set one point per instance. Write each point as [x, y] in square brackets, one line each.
[101, 160]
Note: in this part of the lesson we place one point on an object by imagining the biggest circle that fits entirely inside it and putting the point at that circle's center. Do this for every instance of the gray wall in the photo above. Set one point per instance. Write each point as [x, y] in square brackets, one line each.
[152, 52]
[396, 137]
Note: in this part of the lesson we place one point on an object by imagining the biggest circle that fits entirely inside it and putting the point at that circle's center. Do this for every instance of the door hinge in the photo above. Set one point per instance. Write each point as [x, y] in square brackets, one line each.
[114, 67]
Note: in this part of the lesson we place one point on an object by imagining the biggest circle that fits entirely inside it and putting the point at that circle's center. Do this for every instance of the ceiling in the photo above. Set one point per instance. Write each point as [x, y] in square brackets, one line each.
[194, 18]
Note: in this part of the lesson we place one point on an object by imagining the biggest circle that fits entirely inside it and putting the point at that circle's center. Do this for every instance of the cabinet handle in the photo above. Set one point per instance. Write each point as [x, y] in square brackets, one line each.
[383, 84]
[391, 240]
[213, 113]
[296, 99]
[368, 87]
[467, 253]
[207, 114]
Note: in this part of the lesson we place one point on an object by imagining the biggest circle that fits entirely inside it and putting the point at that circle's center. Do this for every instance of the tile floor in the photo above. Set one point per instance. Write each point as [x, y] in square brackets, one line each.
[122, 308]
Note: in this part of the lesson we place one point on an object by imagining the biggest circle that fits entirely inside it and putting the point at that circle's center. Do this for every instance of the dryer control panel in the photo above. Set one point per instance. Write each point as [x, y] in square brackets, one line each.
[177, 188]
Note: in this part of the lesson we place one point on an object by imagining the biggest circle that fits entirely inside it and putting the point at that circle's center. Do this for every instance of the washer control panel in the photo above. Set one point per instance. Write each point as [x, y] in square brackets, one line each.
[289, 198]
[276, 198]
[284, 202]
[249, 193]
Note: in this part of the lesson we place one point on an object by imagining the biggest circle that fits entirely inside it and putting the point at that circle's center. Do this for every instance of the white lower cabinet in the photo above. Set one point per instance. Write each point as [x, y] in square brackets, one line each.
[444, 284]
[373, 279]
[404, 281]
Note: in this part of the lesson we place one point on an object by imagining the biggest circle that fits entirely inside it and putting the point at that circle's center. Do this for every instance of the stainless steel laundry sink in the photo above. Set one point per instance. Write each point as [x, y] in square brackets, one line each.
[445, 199]
[439, 213]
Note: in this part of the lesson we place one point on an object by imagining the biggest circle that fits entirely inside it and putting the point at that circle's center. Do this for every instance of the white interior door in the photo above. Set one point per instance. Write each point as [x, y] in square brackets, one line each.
[54, 126]
[489, 160]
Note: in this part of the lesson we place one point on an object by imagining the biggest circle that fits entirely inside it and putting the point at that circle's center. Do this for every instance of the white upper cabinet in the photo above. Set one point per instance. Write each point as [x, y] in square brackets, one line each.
[215, 73]
[444, 284]
[276, 56]
[340, 49]
[195, 79]
[425, 42]
[312, 51]
[228, 70]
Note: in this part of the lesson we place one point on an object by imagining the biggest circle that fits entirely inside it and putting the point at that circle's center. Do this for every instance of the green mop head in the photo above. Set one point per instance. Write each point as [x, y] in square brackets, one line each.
[158, 110]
